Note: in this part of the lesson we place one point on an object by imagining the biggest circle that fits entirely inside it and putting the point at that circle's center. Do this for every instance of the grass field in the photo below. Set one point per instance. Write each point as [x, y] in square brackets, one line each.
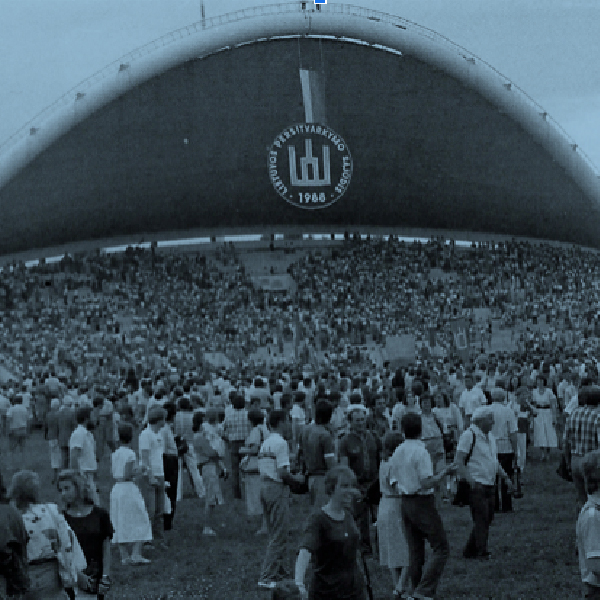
[533, 548]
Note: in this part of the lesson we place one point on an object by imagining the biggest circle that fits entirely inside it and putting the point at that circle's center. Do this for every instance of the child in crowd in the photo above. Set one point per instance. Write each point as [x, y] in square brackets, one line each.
[127, 508]
[209, 462]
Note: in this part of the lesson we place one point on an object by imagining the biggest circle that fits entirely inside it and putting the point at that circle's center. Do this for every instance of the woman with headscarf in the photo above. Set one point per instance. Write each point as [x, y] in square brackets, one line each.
[93, 528]
[53, 551]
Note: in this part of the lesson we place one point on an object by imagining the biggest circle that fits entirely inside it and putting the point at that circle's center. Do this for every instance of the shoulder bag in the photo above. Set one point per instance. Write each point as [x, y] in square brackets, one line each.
[461, 498]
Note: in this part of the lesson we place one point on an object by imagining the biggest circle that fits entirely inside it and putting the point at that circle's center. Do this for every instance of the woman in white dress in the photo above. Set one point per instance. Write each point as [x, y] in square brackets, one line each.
[393, 547]
[127, 509]
[544, 423]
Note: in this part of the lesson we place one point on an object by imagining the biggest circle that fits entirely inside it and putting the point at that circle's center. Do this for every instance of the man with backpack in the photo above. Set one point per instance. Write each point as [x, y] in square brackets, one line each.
[477, 460]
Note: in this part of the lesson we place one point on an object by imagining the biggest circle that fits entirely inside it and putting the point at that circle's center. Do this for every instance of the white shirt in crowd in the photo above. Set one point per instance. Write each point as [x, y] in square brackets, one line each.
[483, 464]
[471, 400]
[153, 442]
[83, 439]
[409, 466]
[273, 454]
[505, 424]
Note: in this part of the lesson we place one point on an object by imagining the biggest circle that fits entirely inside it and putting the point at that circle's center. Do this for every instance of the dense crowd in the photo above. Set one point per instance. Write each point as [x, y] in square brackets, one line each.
[113, 353]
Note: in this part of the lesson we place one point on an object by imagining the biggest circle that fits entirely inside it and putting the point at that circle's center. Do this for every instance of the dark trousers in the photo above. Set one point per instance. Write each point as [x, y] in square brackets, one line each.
[481, 501]
[171, 467]
[591, 593]
[361, 511]
[64, 451]
[423, 522]
[507, 463]
[234, 450]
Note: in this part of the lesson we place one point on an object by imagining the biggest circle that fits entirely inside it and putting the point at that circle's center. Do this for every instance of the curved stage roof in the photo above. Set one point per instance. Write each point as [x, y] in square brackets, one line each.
[176, 137]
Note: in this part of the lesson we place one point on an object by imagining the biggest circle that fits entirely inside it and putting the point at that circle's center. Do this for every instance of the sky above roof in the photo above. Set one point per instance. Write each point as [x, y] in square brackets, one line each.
[549, 48]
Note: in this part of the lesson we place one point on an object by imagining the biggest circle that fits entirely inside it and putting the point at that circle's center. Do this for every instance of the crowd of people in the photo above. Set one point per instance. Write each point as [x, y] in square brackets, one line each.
[108, 355]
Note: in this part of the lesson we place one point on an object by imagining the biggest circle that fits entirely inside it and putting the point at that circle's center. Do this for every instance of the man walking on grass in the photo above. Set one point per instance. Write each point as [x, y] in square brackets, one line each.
[480, 471]
[274, 468]
[411, 473]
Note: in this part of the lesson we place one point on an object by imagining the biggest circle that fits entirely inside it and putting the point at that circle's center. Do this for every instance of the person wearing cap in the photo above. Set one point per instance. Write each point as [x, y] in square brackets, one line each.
[588, 528]
[480, 472]
[544, 423]
[504, 430]
[151, 447]
[52, 437]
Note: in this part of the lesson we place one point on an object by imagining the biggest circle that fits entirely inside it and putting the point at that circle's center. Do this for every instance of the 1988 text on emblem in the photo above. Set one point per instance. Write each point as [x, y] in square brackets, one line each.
[310, 165]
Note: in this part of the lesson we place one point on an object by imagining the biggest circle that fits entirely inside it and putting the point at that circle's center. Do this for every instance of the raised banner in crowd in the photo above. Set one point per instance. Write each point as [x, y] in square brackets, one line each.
[399, 349]
[460, 335]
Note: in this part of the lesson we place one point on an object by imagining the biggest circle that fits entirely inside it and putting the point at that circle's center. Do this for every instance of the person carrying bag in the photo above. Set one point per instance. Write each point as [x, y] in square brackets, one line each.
[461, 498]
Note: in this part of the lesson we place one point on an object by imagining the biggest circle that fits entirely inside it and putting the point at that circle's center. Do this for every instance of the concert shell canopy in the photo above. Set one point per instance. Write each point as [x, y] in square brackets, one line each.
[175, 137]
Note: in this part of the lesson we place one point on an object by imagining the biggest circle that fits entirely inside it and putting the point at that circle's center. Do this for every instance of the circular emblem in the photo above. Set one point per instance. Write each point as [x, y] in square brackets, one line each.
[310, 165]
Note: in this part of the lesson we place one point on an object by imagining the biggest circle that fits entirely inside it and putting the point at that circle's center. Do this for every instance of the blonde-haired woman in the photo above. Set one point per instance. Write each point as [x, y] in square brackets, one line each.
[93, 528]
[53, 552]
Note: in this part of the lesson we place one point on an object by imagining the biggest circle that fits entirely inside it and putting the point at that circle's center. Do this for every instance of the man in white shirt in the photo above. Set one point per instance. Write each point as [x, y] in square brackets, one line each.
[17, 419]
[470, 399]
[151, 450]
[82, 451]
[480, 472]
[274, 468]
[411, 474]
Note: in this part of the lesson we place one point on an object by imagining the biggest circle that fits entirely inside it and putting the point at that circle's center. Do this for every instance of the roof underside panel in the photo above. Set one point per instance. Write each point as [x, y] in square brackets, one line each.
[188, 149]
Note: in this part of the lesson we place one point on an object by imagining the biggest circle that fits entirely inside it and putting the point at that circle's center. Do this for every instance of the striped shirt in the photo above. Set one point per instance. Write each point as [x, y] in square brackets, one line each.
[582, 428]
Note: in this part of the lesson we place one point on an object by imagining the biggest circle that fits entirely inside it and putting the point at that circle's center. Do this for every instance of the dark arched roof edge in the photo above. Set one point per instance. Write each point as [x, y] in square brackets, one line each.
[263, 23]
